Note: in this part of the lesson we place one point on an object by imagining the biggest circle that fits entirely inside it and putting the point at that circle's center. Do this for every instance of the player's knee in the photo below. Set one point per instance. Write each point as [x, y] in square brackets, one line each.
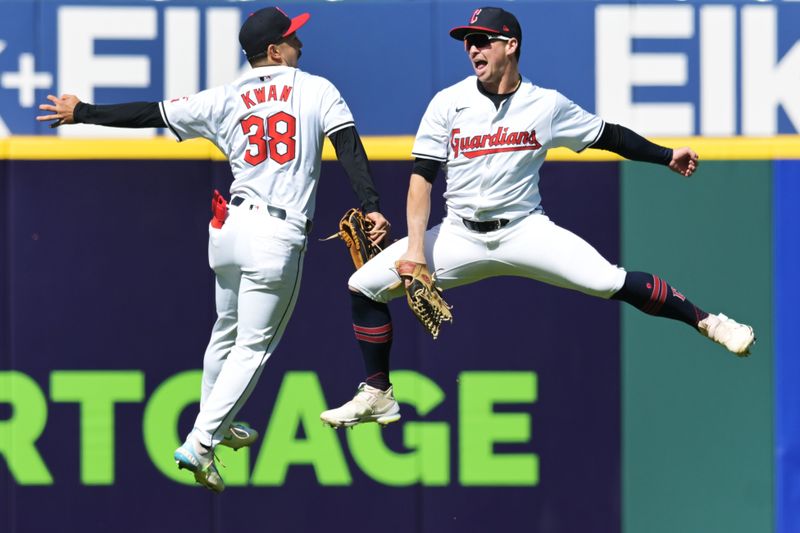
[362, 288]
[607, 284]
[249, 355]
[358, 283]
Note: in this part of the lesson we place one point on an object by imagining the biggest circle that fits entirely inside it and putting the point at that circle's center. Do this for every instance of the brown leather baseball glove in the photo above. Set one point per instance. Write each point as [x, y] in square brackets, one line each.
[353, 230]
[424, 297]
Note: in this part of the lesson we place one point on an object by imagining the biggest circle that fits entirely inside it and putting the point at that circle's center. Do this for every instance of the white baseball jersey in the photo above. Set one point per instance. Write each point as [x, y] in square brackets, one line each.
[270, 124]
[492, 156]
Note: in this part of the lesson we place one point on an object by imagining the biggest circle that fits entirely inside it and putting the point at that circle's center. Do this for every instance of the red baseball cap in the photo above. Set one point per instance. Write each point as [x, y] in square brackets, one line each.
[489, 20]
[265, 27]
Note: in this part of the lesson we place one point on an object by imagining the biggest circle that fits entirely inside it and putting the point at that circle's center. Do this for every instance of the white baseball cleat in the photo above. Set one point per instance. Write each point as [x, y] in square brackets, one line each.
[368, 405]
[734, 336]
[238, 436]
[194, 457]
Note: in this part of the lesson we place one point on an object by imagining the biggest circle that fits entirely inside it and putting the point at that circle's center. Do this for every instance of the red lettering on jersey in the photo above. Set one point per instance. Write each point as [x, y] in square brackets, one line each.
[497, 142]
[259, 94]
[287, 89]
[179, 99]
[248, 102]
[533, 141]
[273, 93]
[474, 18]
[454, 141]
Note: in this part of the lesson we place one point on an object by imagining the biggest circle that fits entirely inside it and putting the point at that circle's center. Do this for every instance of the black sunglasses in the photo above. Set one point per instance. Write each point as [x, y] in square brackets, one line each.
[482, 40]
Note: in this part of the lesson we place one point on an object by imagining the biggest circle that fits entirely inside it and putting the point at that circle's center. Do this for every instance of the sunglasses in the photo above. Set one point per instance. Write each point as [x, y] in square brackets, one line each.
[482, 40]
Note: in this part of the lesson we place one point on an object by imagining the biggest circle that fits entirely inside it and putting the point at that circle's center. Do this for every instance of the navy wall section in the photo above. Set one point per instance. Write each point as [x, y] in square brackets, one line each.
[108, 271]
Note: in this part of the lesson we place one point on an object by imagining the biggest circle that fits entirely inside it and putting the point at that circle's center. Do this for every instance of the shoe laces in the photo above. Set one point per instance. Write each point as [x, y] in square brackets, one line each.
[239, 432]
[218, 460]
[213, 452]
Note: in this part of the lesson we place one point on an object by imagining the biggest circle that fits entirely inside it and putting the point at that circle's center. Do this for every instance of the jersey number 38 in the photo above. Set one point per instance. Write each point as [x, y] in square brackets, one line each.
[278, 143]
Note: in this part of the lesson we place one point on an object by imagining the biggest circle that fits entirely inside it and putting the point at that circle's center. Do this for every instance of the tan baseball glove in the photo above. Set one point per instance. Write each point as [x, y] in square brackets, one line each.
[424, 297]
[353, 230]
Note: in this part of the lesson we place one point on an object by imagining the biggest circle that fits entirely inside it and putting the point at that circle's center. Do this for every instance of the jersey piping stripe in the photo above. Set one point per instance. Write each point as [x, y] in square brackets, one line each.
[599, 133]
[426, 156]
[278, 333]
[340, 127]
[166, 121]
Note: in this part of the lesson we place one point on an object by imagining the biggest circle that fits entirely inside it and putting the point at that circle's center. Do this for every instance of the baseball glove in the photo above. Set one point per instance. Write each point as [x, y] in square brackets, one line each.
[424, 297]
[353, 230]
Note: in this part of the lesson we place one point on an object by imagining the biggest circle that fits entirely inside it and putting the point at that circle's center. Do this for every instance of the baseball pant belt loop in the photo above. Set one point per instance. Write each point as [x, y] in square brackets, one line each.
[277, 212]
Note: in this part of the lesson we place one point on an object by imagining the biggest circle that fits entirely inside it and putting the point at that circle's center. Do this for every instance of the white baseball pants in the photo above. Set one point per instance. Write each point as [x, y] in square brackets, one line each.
[531, 247]
[258, 262]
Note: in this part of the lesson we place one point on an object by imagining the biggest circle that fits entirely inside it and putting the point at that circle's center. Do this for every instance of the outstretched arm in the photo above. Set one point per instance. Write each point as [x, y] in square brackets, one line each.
[631, 145]
[61, 111]
[684, 161]
[68, 109]
[350, 152]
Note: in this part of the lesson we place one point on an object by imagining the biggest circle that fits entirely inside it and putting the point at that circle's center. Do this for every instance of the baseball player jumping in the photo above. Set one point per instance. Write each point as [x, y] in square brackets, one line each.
[270, 123]
[490, 132]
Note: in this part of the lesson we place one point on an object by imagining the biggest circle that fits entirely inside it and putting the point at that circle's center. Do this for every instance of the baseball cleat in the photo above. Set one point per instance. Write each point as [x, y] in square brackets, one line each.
[238, 436]
[201, 463]
[368, 405]
[738, 338]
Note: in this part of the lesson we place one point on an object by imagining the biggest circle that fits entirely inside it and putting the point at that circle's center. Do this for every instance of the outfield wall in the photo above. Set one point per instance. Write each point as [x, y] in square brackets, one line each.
[663, 68]
[538, 409]
[613, 417]
[109, 306]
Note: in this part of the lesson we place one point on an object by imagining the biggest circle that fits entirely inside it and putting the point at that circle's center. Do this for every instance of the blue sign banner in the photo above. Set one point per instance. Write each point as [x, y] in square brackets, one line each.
[663, 69]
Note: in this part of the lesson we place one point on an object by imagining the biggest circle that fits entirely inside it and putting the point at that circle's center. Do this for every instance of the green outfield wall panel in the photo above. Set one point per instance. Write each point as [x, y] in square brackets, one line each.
[697, 421]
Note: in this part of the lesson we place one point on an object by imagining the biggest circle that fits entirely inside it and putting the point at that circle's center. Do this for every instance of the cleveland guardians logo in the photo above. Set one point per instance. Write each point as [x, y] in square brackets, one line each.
[495, 143]
[474, 18]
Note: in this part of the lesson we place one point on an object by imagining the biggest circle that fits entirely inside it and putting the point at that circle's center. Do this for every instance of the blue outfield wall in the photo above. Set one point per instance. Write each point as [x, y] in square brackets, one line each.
[787, 340]
[509, 419]
[662, 68]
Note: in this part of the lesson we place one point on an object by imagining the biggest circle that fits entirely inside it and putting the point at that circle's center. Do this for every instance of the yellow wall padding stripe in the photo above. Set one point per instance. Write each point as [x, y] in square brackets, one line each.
[379, 148]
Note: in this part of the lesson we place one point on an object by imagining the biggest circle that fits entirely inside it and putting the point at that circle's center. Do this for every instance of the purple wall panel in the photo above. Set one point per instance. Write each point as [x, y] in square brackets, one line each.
[7, 495]
[109, 271]
[5, 356]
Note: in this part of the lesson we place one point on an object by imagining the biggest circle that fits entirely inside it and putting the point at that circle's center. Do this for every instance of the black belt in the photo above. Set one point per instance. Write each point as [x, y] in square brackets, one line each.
[276, 212]
[486, 226]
